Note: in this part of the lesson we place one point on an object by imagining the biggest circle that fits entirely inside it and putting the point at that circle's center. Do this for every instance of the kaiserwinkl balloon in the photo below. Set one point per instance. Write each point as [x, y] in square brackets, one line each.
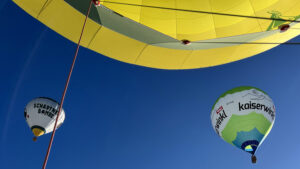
[40, 115]
[147, 33]
[243, 117]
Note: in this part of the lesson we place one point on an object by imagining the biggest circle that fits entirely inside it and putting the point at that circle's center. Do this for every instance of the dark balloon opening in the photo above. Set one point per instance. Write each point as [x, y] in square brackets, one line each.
[250, 146]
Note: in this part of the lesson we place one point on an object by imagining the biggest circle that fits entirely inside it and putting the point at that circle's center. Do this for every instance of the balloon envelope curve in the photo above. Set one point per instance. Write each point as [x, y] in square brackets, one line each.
[153, 37]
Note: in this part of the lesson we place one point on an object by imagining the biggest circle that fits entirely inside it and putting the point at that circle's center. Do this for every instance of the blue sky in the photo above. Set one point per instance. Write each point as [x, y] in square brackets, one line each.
[121, 116]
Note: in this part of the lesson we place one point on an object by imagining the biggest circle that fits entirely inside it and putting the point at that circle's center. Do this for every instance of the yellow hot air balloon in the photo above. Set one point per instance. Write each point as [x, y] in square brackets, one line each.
[172, 34]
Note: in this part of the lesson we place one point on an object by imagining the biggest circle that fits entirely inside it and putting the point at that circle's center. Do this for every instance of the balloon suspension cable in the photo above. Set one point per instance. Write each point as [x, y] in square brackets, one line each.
[203, 12]
[66, 88]
[253, 43]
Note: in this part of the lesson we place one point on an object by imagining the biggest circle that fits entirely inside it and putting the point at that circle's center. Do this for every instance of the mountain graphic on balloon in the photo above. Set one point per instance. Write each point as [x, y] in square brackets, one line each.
[250, 131]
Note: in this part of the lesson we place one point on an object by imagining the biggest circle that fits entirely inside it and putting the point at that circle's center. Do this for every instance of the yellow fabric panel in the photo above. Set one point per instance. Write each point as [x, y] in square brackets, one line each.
[213, 57]
[160, 19]
[237, 7]
[200, 5]
[133, 12]
[231, 26]
[162, 57]
[238, 27]
[67, 21]
[32, 7]
[188, 24]
[118, 46]
[259, 5]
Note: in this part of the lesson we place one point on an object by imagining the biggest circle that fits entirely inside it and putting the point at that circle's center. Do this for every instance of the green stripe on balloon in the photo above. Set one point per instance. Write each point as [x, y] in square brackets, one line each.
[245, 123]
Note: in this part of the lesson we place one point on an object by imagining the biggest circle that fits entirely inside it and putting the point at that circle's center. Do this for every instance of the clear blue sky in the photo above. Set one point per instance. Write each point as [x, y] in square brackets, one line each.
[121, 116]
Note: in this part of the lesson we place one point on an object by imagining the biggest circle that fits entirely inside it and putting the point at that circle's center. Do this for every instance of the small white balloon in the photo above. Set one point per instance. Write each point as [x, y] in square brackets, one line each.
[40, 115]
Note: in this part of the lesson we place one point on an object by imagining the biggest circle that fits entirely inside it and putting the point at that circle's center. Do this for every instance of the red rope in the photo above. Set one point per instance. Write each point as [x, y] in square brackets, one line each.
[66, 88]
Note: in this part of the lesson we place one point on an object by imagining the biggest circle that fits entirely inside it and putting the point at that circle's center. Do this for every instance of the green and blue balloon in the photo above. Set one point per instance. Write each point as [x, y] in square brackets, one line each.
[243, 117]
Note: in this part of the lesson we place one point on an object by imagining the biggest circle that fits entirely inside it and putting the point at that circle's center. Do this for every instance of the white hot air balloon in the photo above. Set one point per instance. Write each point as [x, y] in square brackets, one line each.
[243, 117]
[40, 115]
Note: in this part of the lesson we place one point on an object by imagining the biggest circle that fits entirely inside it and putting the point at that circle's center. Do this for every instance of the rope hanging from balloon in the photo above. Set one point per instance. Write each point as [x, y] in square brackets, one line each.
[66, 88]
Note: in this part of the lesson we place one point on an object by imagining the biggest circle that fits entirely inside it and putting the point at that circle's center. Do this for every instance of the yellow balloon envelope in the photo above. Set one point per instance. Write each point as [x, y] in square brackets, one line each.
[143, 35]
